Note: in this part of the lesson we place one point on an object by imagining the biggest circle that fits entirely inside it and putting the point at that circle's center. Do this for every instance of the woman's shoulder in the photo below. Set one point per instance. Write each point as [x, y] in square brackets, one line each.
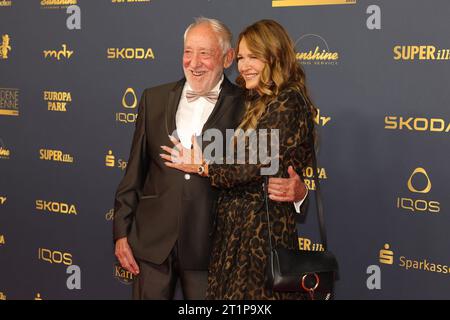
[290, 96]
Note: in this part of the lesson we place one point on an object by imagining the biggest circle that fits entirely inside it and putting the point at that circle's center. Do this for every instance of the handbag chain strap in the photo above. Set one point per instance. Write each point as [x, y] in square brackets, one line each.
[319, 206]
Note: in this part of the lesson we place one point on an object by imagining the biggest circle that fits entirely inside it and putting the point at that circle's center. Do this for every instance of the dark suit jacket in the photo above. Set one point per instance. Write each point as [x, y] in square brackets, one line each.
[155, 205]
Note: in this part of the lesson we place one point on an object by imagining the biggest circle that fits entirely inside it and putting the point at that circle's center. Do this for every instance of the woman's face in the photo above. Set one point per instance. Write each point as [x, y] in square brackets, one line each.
[249, 66]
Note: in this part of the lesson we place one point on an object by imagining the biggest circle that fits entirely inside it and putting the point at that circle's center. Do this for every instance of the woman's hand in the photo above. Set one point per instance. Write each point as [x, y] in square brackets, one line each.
[181, 158]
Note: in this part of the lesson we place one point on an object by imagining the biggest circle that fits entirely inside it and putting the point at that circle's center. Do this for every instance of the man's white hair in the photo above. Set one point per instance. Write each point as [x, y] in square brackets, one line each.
[224, 34]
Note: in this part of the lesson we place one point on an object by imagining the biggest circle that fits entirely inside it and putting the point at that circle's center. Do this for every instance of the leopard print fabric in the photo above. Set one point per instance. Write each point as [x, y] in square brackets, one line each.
[240, 246]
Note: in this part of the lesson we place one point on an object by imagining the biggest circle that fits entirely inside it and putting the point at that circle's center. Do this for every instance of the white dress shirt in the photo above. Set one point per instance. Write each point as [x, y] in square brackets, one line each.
[192, 116]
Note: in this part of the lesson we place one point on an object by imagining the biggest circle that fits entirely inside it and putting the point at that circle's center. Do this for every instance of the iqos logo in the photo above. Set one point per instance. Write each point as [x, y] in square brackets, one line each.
[55, 257]
[133, 94]
[418, 205]
[412, 188]
[129, 101]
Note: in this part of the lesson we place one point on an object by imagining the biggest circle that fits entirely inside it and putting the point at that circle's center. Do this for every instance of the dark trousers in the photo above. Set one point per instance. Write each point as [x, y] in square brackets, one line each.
[158, 281]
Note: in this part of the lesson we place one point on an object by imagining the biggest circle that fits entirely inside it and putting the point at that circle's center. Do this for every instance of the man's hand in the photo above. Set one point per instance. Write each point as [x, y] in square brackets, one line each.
[125, 255]
[290, 189]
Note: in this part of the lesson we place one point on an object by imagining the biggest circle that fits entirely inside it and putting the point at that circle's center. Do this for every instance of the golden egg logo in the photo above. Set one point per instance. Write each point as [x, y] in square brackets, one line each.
[412, 188]
[133, 96]
[413, 204]
[129, 101]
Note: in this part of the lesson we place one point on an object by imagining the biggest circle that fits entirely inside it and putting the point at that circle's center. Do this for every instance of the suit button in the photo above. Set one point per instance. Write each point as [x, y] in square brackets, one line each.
[187, 176]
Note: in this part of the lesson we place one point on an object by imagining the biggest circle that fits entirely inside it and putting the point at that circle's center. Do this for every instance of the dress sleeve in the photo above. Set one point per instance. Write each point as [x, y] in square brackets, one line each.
[285, 114]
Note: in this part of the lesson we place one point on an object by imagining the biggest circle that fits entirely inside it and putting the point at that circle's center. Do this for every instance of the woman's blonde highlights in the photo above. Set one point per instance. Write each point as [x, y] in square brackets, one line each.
[270, 43]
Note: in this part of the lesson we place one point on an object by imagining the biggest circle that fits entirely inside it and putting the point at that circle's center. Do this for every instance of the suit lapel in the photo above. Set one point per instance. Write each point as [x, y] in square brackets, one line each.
[172, 106]
[226, 97]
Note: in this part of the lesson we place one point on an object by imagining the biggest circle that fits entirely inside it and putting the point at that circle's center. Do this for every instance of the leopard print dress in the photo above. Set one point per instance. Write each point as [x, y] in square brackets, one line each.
[240, 246]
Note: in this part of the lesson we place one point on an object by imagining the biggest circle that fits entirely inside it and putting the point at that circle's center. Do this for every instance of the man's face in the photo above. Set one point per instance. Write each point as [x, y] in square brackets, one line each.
[203, 58]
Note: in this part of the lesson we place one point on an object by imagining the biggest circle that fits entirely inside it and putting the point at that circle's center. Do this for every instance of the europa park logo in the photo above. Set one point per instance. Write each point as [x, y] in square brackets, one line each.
[57, 101]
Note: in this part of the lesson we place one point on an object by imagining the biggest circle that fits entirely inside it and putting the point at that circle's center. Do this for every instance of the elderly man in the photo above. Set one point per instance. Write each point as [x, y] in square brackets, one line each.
[163, 217]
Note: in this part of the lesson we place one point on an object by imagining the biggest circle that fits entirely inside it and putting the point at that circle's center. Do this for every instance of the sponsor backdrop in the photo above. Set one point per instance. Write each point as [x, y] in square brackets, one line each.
[72, 72]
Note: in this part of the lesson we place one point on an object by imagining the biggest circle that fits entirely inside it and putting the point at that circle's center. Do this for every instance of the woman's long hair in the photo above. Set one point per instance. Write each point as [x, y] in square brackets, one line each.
[269, 42]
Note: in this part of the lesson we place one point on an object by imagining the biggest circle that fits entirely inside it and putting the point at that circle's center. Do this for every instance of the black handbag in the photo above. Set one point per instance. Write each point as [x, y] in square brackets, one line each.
[310, 272]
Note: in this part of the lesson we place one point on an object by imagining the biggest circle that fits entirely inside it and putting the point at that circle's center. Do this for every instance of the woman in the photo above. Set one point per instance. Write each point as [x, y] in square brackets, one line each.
[275, 85]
